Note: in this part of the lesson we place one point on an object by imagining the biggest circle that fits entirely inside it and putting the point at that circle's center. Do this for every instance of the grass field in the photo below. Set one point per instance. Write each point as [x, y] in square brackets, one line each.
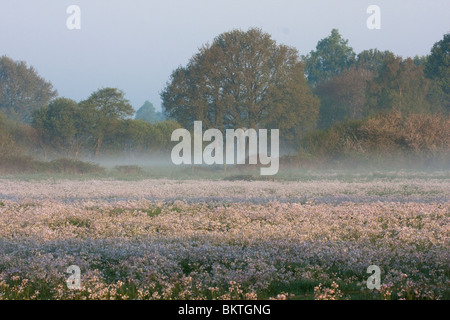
[193, 234]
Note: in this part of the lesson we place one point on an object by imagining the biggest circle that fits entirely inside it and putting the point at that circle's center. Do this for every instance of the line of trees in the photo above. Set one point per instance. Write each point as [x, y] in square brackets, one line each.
[354, 86]
[103, 121]
[243, 79]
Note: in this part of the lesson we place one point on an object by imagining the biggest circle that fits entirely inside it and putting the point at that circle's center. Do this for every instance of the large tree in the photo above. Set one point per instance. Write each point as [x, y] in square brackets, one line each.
[102, 112]
[332, 56]
[22, 90]
[243, 79]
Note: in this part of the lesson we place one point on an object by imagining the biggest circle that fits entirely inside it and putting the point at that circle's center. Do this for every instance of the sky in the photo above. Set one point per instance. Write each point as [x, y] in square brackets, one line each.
[134, 45]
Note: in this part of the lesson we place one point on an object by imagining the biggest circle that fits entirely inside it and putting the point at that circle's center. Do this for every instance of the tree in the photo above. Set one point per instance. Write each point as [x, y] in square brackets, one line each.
[102, 112]
[60, 125]
[437, 68]
[147, 113]
[243, 79]
[372, 60]
[344, 96]
[401, 86]
[331, 57]
[420, 60]
[22, 90]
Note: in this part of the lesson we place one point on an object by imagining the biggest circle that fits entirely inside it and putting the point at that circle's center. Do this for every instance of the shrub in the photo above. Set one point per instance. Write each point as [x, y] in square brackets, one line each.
[129, 169]
[242, 177]
[74, 167]
[386, 136]
[18, 164]
[24, 164]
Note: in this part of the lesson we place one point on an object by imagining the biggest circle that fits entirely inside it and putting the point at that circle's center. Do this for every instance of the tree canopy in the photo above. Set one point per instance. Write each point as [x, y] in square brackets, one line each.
[102, 110]
[243, 79]
[22, 90]
[332, 56]
[344, 96]
[355, 86]
[61, 125]
[437, 68]
[401, 86]
[148, 113]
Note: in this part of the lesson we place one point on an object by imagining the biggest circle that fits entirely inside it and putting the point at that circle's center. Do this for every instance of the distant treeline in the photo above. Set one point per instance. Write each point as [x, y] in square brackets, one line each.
[74, 136]
[330, 104]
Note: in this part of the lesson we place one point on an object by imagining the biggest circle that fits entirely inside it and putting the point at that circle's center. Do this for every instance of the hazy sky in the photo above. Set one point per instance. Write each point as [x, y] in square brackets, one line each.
[134, 45]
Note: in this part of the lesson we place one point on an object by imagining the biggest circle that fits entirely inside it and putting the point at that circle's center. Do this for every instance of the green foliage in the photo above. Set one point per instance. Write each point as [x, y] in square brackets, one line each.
[437, 68]
[377, 81]
[79, 222]
[61, 126]
[148, 113]
[420, 60]
[98, 123]
[243, 79]
[129, 169]
[109, 103]
[240, 177]
[438, 63]
[137, 136]
[22, 90]
[401, 86]
[68, 166]
[102, 111]
[339, 140]
[372, 60]
[340, 78]
[331, 57]
[344, 96]
[25, 164]
[153, 212]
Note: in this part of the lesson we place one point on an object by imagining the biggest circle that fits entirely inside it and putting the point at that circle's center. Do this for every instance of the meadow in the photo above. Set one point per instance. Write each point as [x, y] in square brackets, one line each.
[304, 235]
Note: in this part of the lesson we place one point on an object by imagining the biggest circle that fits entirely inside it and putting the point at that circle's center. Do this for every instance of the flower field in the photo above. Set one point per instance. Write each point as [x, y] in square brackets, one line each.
[169, 239]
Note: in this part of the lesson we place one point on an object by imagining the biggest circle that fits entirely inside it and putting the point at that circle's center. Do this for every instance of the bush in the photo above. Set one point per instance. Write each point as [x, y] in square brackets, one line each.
[17, 164]
[342, 139]
[68, 166]
[386, 136]
[418, 134]
[7, 143]
[24, 164]
[129, 169]
[242, 177]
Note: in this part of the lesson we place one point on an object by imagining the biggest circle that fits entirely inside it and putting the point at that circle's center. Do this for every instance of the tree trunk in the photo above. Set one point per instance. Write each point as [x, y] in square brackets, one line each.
[98, 146]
